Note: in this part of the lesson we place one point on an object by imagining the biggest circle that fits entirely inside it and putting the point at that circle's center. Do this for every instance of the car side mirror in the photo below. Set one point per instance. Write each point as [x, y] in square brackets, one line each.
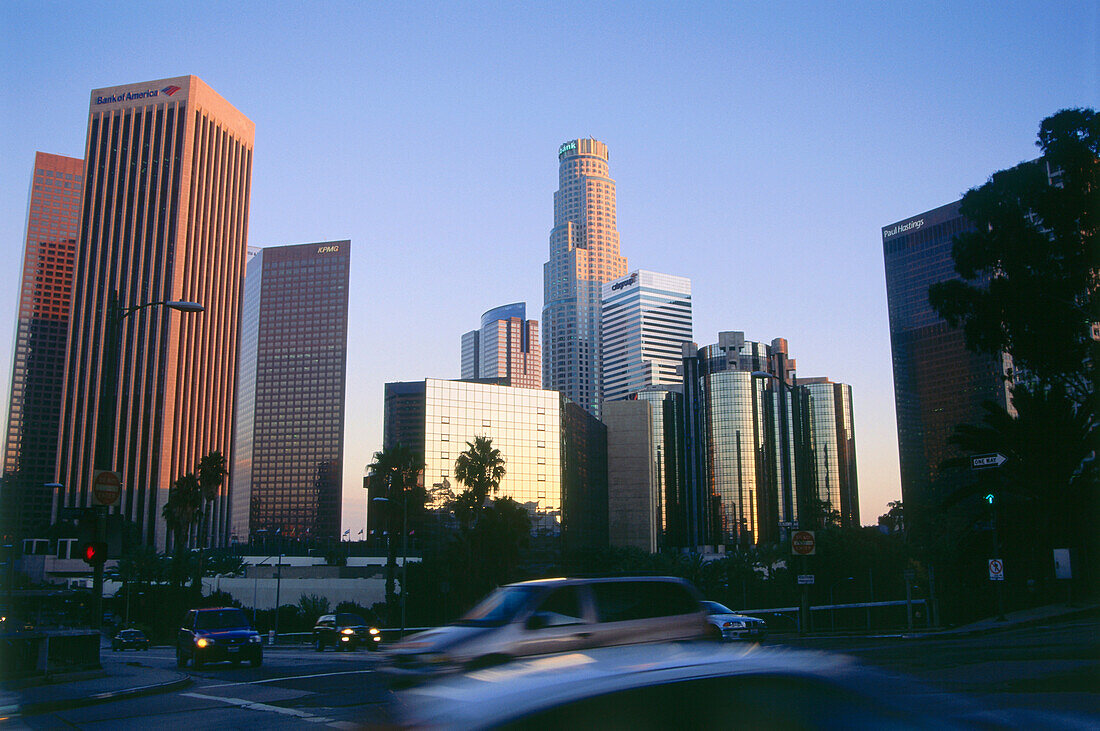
[538, 620]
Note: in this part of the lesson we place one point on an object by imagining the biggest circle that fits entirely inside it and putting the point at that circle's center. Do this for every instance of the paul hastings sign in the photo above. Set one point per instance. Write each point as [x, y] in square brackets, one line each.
[902, 228]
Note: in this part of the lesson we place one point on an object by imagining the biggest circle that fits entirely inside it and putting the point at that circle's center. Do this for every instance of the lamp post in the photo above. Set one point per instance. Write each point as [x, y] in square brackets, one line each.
[404, 549]
[105, 418]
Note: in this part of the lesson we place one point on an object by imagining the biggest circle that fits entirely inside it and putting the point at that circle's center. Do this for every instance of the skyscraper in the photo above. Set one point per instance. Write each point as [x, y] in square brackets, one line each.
[164, 218]
[289, 433]
[506, 346]
[938, 383]
[832, 443]
[38, 360]
[646, 319]
[584, 253]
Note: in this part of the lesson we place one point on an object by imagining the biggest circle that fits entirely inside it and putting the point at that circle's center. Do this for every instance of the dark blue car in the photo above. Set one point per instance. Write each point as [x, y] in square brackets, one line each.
[219, 634]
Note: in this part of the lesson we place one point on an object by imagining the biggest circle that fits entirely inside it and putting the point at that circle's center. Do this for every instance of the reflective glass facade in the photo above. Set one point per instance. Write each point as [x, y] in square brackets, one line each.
[38, 358]
[288, 459]
[646, 320]
[832, 444]
[668, 406]
[584, 253]
[938, 383]
[506, 347]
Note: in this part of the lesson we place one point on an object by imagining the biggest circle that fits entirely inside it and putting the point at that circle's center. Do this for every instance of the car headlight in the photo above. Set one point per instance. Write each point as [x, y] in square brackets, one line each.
[374, 630]
[254, 638]
[347, 631]
[435, 658]
[203, 642]
[734, 625]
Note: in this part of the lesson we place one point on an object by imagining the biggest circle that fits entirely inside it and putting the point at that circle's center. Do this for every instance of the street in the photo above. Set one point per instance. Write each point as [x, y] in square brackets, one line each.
[1053, 668]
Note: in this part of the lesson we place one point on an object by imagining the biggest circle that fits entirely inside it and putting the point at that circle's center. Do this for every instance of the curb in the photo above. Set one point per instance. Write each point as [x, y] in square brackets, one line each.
[35, 709]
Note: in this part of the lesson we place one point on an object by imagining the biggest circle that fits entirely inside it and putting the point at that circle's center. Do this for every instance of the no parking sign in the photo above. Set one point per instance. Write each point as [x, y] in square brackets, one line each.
[996, 570]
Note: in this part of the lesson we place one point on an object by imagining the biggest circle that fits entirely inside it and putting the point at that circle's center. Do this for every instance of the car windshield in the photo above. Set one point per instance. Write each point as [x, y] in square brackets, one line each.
[499, 608]
[350, 620]
[716, 608]
[223, 619]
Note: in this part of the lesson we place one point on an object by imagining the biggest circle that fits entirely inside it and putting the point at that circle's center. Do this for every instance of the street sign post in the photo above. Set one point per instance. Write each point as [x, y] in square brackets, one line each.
[106, 487]
[803, 543]
[986, 461]
[996, 570]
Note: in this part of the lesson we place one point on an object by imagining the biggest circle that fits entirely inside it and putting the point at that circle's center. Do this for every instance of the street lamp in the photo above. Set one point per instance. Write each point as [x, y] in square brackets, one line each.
[105, 419]
[404, 550]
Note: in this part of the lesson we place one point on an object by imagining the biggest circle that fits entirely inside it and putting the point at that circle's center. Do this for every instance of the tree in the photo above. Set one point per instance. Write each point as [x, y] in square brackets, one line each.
[1029, 267]
[397, 470]
[312, 606]
[480, 468]
[183, 508]
[894, 518]
[211, 475]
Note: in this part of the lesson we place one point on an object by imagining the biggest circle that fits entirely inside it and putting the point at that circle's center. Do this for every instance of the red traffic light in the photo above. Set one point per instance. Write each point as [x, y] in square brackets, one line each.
[95, 553]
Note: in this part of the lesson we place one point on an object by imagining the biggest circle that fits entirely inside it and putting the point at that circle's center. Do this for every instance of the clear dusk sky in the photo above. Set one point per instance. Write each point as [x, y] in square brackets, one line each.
[758, 148]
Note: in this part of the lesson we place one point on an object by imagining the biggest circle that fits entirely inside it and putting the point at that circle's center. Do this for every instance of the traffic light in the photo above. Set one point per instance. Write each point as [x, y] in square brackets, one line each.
[94, 552]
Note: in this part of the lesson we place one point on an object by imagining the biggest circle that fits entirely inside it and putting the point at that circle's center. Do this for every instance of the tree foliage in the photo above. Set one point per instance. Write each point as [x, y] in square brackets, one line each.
[480, 468]
[1029, 266]
[397, 469]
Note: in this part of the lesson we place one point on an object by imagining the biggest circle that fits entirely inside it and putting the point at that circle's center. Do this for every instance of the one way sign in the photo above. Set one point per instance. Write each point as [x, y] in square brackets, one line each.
[985, 461]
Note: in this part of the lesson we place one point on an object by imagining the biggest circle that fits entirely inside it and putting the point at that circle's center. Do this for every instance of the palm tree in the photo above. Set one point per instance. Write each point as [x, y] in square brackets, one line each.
[183, 508]
[398, 469]
[480, 468]
[212, 472]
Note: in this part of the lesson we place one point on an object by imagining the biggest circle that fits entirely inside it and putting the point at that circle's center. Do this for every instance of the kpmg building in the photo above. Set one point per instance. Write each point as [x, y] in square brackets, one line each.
[164, 219]
[938, 383]
[584, 254]
[38, 359]
[289, 434]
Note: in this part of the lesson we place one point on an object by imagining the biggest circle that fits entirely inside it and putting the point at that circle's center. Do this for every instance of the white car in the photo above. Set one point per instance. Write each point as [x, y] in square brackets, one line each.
[734, 626]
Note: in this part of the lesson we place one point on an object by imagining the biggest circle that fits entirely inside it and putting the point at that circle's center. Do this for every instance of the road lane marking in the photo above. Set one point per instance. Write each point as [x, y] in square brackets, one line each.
[254, 706]
[288, 677]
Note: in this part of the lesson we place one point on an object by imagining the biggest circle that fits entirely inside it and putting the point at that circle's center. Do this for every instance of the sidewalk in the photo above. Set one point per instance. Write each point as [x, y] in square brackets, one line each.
[119, 678]
[1021, 618]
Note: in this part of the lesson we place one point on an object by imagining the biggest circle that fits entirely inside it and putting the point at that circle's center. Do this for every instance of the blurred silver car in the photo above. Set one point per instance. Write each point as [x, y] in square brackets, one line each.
[550, 616]
[734, 626]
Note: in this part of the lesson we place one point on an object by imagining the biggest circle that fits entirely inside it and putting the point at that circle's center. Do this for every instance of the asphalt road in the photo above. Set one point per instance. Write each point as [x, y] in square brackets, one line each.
[1053, 668]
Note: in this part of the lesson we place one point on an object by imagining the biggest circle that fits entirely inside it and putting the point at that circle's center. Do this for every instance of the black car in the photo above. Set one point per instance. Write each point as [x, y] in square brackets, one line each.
[344, 631]
[210, 635]
[130, 638]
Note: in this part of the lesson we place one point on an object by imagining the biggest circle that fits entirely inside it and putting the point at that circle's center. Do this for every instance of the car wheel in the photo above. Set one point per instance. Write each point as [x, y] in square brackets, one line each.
[180, 659]
[319, 645]
[196, 661]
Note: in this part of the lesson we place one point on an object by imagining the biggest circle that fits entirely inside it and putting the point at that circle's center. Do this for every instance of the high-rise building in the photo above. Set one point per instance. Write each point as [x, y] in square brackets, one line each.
[555, 453]
[164, 218]
[38, 359]
[289, 431]
[938, 383]
[832, 444]
[584, 253]
[505, 347]
[646, 319]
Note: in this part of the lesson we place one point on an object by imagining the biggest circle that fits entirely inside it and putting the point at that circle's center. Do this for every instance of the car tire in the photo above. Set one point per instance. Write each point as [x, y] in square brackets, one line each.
[319, 645]
[196, 661]
[181, 661]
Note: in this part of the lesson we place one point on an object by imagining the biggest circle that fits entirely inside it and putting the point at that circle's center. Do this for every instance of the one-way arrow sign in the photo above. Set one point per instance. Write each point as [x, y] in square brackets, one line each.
[985, 461]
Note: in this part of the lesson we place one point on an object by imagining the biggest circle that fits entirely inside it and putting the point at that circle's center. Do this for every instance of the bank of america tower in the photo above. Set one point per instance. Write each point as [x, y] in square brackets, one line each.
[584, 253]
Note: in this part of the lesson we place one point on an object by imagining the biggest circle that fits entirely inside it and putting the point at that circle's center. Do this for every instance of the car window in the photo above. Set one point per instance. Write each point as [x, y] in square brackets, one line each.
[349, 620]
[625, 600]
[716, 608]
[499, 608]
[221, 619]
[190, 621]
[562, 606]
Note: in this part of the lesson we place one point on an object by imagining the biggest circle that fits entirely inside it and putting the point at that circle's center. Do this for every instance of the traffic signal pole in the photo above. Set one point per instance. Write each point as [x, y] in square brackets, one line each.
[100, 513]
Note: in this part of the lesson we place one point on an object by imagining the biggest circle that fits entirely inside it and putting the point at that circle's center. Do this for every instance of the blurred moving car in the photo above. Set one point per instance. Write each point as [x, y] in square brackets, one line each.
[734, 626]
[130, 638]
[223, 633]
[344, 631]
[700, 685]
[553, 615]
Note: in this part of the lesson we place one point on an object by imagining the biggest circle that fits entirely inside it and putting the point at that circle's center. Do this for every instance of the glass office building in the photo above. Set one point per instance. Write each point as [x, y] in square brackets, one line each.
[646, 319]
[164, 217]
[584, 254]
[38, 358]
[832, 445]
[289, 436]
[554, 457]
[505, 347]
[938, 383]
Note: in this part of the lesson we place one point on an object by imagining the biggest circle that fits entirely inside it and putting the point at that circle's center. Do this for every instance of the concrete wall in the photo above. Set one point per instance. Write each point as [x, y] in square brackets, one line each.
[261, 592]
[631, 474]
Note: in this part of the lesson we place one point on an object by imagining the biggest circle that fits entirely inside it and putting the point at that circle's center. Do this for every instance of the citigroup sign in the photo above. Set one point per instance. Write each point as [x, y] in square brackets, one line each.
[625, 283]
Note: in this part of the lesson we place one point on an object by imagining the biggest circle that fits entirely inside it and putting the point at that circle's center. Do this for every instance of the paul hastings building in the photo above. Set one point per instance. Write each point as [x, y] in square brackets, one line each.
[289, 435]
[164, 218]
[938, 383]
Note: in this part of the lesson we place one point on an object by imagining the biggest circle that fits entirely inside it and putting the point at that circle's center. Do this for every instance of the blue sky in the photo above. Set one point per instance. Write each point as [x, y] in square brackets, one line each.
[758, 148]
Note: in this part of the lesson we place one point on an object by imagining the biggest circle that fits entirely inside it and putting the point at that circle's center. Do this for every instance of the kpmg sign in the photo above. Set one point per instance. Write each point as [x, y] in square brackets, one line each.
[902, 228]
[136, 95]
[625, 283]
[331, 249]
